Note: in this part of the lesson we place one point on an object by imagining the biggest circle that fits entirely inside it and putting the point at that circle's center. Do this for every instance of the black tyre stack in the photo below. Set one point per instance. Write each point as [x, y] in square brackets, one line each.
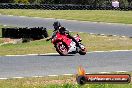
[60, 7]
[32, 33]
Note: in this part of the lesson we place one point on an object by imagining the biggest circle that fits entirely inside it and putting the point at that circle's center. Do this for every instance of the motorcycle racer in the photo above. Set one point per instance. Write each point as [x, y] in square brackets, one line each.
[62, 30]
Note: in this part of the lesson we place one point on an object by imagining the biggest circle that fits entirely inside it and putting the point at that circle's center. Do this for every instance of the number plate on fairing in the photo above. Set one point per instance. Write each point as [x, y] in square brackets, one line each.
[72, 47]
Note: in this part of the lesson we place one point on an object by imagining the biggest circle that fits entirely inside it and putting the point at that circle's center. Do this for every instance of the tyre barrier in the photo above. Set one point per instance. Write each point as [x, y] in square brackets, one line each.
[35, 33]
[61, 7]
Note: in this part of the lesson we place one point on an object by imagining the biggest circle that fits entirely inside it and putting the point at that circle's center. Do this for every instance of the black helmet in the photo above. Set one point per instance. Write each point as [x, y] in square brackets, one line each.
[56, 25]
[62, 30]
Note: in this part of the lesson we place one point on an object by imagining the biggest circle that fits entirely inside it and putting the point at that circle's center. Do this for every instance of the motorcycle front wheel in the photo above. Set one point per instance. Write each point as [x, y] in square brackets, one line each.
[83, 51]
[61, 48]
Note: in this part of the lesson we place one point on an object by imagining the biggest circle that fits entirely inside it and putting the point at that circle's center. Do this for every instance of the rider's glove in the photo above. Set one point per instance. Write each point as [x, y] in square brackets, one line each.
[48, 39]
[67, 32]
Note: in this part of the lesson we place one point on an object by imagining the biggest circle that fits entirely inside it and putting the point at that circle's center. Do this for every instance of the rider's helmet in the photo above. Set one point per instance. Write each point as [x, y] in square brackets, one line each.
[56, 25]
[62, 30]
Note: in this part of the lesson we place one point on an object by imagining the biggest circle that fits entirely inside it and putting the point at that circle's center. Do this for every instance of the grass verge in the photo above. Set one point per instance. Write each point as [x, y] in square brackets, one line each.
[1, 40]
[82, 15]
[1, 26]
[92, 43]
[55, 82]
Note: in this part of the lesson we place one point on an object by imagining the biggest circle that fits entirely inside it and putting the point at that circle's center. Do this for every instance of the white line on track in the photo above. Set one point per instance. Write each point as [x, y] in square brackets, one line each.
[119, 50]
[17, 77]
[104, 72]
[58, 54]
[123, 36]
[52, 75]
[92, 33]
[102, 34]
[81, 32]
[114, 35]
[22, 16]
[15, 55]
[110, 51]
[10, 55]
[31, 54]
[121, 71]
[37, 76]
[67, 74]
[3, 78]
[11, 15]
[4, 25]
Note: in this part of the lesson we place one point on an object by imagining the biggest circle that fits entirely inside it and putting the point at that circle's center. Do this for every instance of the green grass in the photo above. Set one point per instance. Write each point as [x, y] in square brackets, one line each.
[55, 82]
[92, 43]
[1, 40]
[1, 30]
[69, 86]
[83, 15]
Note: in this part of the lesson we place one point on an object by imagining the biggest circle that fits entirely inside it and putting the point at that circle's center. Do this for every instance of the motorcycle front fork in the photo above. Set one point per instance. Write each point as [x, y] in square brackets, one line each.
[81, 47]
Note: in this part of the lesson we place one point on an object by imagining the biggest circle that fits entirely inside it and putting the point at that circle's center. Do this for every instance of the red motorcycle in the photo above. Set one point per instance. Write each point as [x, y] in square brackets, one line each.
[65, 45]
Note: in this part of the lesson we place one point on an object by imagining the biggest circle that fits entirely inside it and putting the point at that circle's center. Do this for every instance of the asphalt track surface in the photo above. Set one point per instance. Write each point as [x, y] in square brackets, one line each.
[80, 26]
[43, 65]
[54, 64]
